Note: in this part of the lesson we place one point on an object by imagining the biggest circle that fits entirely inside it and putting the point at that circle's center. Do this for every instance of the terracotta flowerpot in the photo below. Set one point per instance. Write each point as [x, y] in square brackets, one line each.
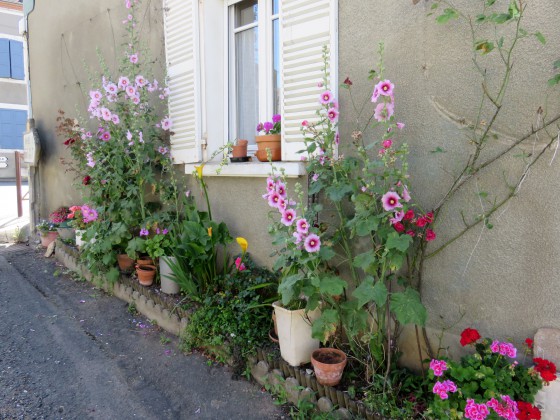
[125, 262]
[145, 261]
[329, 364]
[47, 238]
[272, 142]
[146, 274]
[240, 149]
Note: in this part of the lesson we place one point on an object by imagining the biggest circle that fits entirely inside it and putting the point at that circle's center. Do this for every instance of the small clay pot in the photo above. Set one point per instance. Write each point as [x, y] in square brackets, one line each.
[328, 364]
[125, 262]
[48, 237]
[272, 142]
[146, 274]
[145, 260]
[240, 149]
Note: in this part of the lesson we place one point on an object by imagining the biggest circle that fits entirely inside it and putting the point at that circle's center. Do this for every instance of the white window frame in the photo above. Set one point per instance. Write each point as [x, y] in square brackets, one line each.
[266, 65]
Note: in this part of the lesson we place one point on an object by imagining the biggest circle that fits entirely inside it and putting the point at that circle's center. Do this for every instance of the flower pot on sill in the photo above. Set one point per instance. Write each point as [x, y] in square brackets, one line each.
[272, 142]
[48, 237]
[146, 274]
[294, 334]
[125, 262]
[168, 285]
[328, 364]
[240, 149]
[66, 233]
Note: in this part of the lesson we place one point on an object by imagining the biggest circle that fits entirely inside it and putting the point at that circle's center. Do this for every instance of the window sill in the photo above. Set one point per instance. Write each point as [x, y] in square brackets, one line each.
[250, 169]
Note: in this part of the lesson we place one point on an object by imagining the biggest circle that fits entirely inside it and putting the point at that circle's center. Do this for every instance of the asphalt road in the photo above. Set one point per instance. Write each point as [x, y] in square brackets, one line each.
[69, 351]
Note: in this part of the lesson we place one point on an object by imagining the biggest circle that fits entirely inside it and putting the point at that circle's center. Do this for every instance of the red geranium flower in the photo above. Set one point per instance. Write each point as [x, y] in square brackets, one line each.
[421, 222]
[399, 227]
[86, 180]
[430, 235]
[69, 142]
[527, 411]
[469, 336]
[347, 82]
[409, 215]
[546, 368]
[529, 343]
[429, 217]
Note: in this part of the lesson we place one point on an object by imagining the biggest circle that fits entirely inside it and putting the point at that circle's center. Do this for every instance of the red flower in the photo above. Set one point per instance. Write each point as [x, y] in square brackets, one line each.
[469, 336]
[410, 232]
[69, 142]
[430, 235]
[86, 180]
[546, 368]
[409, 215]
[399, 227]
[347, 82]
[421, 222]
[429, 217]
[527, 411]
[529, 343]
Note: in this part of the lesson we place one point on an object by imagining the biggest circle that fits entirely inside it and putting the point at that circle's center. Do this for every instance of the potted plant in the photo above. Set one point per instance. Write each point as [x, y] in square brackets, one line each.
[270, 141]
[60, 217]
[79, 218]
[158, 247]
[146, 274]
[48, 232]
[328, 364]
[239, 150]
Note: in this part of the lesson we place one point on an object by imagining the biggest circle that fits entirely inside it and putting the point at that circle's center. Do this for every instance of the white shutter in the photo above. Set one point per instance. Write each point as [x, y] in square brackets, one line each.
[182, 56]
[307, 26]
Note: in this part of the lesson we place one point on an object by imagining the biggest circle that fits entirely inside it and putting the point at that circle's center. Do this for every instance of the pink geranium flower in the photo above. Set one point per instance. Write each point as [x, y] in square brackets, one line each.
[288, 217]
[390, 201]
[438, 367]
[312, 243]
[476, 411]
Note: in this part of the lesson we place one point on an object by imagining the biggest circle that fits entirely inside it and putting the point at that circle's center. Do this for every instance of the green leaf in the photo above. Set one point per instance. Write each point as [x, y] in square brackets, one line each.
[366, 226]
[447, 15]
[408, 307]
[332, 285]
[326, 253]
[113, 274]
[483, 194]
[434, 6]
[554, 81]
[438, 150]
[513, 9]
[399, 242]
[286, 287]
[369, 292]
[557, 64]
[325, 325]
[501, 18]
[490, 2]
[480, 18]
[540, 37]
[484, 47]
[337, 192]
[364, 260]
[501, 42]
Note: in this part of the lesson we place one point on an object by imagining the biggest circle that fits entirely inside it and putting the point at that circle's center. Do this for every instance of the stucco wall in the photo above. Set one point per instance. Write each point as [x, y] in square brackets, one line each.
[64, 36]
[504, 280]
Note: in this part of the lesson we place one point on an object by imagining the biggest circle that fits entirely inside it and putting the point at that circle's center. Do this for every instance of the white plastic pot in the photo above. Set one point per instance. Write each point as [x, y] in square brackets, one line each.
[294, 334]
[79, 234]
[168, 286]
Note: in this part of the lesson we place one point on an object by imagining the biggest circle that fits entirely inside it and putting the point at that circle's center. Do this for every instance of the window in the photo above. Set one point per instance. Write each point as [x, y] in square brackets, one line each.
[11, 59]
[12, 126]
[254, 65]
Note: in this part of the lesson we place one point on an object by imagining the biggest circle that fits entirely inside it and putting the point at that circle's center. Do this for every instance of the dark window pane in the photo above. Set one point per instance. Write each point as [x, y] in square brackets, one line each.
[246, 12]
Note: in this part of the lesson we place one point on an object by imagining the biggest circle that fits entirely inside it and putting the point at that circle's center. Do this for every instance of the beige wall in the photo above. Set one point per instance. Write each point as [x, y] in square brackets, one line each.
[506, 281]
[64, 34]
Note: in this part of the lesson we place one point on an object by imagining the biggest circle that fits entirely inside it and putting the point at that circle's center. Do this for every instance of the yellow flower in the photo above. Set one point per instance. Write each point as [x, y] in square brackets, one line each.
[242, 243]
[199, 171]
[210, 231]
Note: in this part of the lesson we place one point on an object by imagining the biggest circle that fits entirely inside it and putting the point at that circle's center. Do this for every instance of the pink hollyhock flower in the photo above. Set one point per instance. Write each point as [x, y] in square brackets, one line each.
[128, 4]
[273, 199]
[136, 100]
[312, 243]
[123, 82]
[334, 104]
[400, 125]
[276, 118]
[384, 111]
[188, 193]
[375, 94]
[332, 114]
[130, 91]
[326, 97]
[305, 123]
[95, 95]
[239, 264]
[298, 237]
[270, 184]
[106, 114]
[438, 367]
[320, 84]
[430, 235]
[111, 88]
[282, 205]
[281, 189]
[128, 135]
[495, 346]
[90, 161]
[141, 137]
[315, 177]
[166, 123]
[397, 217]
[390, 201]
[133, 58]
[406, 195]
[115, 118]
[106, 136]
[140, 81]
[302, 226]
[166, 91]
[387, 143]
[476, 411]
[163, 150]
[288, 217]
[385, 88]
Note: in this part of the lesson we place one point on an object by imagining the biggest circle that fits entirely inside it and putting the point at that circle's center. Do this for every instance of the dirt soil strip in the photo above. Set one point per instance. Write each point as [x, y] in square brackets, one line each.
[69, 351]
